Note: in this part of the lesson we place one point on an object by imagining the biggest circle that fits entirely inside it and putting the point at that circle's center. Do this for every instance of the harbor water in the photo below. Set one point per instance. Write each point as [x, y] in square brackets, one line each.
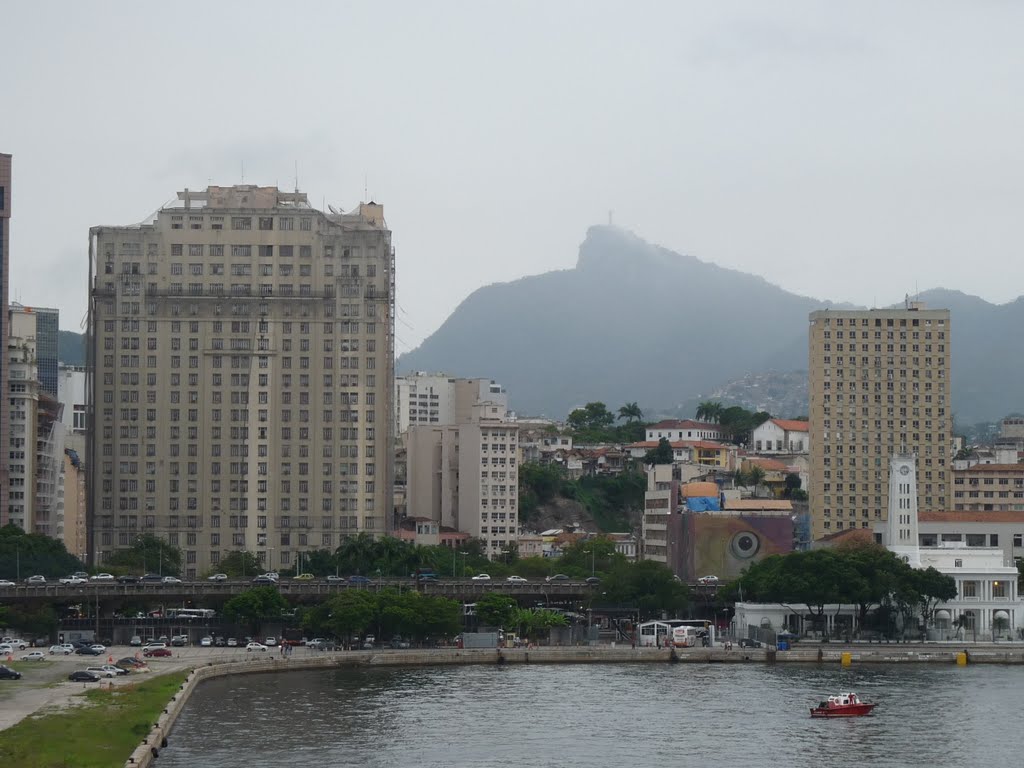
[602, 715]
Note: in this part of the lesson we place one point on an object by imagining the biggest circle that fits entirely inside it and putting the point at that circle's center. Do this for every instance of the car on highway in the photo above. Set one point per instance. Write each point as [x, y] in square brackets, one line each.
[157, 652]
[272, 575]
[83, 676]
[73, 580]
[102, 577]
[232, 642]
[255, 647]
[206, 642]
[151, 578]
[6, 673]
[171, 580]
[334, 579]
[482, 577]
[707, 581]
[592, 580]
[128, 578]
[7, 583]
[516, 580]
[265, 580]
[357, 579]
[557, 577]
[34, 656]
[217, 577]
[62, 650]
[37, 579]
[304, 577]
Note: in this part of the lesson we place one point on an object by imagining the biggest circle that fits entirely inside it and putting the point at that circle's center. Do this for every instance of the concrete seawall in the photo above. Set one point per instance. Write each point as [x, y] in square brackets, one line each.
[158, 737]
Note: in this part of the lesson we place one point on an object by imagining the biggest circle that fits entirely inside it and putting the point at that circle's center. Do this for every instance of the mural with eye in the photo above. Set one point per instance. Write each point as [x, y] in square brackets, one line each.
[745, 544]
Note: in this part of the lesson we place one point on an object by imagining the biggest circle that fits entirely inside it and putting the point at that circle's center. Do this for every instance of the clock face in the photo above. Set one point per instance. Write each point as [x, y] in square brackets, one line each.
[904, 470]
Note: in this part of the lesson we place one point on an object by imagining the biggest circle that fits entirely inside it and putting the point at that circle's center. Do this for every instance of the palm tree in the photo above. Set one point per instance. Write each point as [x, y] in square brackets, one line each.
[631, 412]
[709, 410]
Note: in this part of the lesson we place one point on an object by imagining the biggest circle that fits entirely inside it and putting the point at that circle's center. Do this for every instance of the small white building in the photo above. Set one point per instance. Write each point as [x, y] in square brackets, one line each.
[782, 436]
[674, 430]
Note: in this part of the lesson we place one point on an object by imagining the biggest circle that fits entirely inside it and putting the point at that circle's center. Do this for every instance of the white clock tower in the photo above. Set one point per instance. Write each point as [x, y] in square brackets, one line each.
[902, 524]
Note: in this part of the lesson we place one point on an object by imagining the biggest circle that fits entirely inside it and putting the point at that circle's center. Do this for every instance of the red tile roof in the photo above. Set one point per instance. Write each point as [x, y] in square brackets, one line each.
[774, 505]
[769, 465]
[708, 445]
[792, 425]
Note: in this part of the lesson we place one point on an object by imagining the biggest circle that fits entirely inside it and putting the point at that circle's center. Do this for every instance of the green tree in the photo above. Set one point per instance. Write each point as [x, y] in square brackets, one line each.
[149, 554]
[647, 584]
[26, 554]
[533, 622]
[793, 483]
[709, 410]
[494, 610]
[357, 554]
[319, 562]
[755, 476]
[631, 412]
[239, 564]
[350, 613]
[592, 416]
[35, 621]
[660, 455]
[595, 554]
[932, 588]
[254, 606]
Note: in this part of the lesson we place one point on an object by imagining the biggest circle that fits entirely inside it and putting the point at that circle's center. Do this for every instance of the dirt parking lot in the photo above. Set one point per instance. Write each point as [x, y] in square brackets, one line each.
[44, 686]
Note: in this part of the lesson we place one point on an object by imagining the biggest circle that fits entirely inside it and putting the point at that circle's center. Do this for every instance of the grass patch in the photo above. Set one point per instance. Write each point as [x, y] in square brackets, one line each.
[101, 734]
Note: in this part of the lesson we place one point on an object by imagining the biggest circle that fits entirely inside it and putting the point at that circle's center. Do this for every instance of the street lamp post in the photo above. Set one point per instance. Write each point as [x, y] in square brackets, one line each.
[270, 558]
[592, 553]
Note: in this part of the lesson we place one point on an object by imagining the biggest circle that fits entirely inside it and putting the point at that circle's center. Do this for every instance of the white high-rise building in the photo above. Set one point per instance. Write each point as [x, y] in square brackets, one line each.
[902, 516]
[436, 399]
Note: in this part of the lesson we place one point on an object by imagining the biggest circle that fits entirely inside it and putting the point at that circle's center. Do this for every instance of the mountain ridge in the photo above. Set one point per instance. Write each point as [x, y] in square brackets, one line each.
[634, 321]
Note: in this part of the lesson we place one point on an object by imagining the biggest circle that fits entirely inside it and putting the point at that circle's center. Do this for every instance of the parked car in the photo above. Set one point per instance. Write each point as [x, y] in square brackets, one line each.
[6, 673]
[482, 577]
[746, 642]
[34, 656]
[130, 662]
[135, 642]
[206, 642]
[270, 642]
[102, 577]
[304, 577]
[157, 652]
[84, 676]
[397, 642]
[153, 644]
[35, 580]
[179, 641]
[217, 577]
[17, 643]
[220, 642]
[128, 578]
[87, 650]
[102, 671]
[232, 642]
[72, 581]
[171, 580]
[265, 580]
[557, 577]
[62, 650]
[357, 579]
[516, 580]
[255, 647]
[332, 579]
[7, 583]
[707, 580]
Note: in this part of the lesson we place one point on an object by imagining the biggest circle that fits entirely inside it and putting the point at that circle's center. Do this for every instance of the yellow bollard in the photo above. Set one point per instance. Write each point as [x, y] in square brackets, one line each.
[961, 659]
[846, 659]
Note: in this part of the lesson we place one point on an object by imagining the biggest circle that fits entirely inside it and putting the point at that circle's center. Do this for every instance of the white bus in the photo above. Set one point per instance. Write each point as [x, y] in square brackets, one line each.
[191, 613]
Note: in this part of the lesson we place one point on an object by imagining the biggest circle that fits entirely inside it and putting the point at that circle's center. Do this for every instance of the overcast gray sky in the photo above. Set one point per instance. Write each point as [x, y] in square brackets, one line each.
[849, 151]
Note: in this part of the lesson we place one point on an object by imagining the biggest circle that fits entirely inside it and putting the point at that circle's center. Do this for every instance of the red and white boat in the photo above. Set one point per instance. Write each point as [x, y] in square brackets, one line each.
[842, 705]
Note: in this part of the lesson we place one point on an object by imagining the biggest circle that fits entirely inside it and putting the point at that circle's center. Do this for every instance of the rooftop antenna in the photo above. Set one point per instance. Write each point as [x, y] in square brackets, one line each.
[365, 198]
[296, 177]
[243, 171]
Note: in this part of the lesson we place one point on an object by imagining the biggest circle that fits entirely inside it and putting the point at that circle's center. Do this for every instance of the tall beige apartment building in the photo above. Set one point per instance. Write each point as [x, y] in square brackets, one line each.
[241, 377]
[879, 386]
